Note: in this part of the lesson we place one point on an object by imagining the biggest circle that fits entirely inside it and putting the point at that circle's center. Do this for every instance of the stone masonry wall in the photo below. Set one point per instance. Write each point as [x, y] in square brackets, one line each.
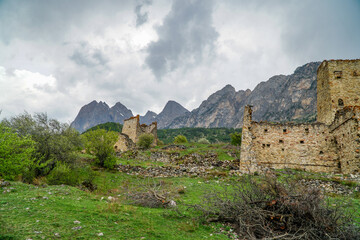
[299, 146]
[124, 143]
[337, 87]
[330, 145]
[346, 138]
[133, 130]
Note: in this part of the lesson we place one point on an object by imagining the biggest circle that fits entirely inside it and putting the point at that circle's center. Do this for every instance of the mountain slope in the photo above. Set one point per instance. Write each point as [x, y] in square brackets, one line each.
[96, 113]
[148, 118]
[281, 98]
[171, 111]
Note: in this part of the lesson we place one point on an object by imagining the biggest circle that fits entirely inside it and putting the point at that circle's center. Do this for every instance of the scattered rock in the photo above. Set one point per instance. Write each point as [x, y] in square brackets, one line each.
[4, 183]
[76, 228]
[77, 222]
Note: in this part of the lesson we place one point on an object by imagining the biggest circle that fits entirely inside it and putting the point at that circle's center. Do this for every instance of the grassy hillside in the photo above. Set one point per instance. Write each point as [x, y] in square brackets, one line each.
[213, 135]
[28, 211]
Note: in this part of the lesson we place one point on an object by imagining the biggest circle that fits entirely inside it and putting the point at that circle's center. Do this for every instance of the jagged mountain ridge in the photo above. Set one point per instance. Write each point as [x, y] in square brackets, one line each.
[148, 118]
[96, 113]
[281, 98]
[171, 111]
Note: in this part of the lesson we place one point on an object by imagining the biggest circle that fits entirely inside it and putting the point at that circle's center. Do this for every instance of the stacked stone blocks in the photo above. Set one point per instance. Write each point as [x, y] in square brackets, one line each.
[332, 144]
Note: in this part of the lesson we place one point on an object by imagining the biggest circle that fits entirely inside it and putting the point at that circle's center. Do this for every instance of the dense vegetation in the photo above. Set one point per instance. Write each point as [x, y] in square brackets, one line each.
[109, 126]
[75, 193]
[213, 135]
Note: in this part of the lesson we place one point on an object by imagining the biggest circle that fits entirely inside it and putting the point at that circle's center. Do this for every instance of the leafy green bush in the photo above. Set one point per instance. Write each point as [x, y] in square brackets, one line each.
[180, 139]
[145, 140]
[235, 138]
[63, 174]
[203, 141]
[54, 141]
[101, 144]
[214, 135]
[15, 153]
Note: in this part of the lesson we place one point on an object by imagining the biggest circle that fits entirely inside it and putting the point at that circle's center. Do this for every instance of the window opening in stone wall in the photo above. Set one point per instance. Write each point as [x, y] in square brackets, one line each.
[281, 141]
[263, 145]
[340, 102]
[338, 74]
[249, 128]
[268, 145]
[282, 149]
[306, 130]
[321, 152]
[302, 141]
[284, 130]
[265, 130]
[355, 74]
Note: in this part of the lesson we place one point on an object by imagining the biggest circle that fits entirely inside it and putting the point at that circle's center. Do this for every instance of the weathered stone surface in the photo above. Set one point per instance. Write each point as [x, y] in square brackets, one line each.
[191, 165]
[324, 146]
[131, 132]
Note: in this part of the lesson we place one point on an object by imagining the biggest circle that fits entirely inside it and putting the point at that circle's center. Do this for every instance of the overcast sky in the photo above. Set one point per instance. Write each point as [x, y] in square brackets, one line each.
[57, 55]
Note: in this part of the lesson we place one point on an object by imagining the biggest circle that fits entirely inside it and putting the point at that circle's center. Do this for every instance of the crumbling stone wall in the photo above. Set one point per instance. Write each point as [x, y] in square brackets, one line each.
[131, 132]
[277, 145]
[124, 143]
[132, 128]
[324, 146]
[346, 137]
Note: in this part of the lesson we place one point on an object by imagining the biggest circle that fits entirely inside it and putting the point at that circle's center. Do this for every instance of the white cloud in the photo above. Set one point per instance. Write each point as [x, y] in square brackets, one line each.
[57, 56]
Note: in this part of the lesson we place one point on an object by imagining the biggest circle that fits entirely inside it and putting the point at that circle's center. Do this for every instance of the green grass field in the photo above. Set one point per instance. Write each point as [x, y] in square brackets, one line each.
[31, 212]
[65, 212]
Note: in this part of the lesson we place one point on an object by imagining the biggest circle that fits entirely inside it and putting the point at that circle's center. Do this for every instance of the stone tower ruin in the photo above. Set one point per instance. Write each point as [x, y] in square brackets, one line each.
[337, 87]
[332, 144]
[131, 132]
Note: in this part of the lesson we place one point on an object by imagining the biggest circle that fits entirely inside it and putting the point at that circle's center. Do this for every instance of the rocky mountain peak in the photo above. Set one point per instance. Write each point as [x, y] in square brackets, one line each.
[96, 113]
[171, 111]
[148, 118]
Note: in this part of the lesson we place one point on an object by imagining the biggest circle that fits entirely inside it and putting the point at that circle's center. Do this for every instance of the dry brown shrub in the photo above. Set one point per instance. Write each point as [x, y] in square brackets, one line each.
[154, 194]
[268, 209]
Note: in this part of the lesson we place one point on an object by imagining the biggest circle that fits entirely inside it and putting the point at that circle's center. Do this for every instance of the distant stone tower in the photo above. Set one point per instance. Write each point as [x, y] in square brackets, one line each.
[337, 87]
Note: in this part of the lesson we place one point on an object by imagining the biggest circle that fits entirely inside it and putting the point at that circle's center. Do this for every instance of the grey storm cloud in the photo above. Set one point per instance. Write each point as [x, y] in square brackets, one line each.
[315, 32]
[87, 56]
[141, 18]
[184, 37]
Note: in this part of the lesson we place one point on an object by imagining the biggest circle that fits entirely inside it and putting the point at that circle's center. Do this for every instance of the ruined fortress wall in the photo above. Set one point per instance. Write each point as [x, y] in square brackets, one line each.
[346, 138]
[124, 143]
[152, 129]
[323, 95]
[299, 146]
[338, 86]
[330, 145]
[132, 128]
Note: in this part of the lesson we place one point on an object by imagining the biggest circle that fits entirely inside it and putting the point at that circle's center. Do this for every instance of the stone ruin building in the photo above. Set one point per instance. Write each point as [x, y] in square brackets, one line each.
[332, 144]
[131, 132]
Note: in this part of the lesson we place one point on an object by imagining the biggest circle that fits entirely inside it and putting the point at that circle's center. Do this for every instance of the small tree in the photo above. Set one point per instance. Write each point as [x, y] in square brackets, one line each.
[54, 141]
[145, 140]
[203, 141]
[236, 140]
[101, 144]
[15, 153]
[180, 139]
